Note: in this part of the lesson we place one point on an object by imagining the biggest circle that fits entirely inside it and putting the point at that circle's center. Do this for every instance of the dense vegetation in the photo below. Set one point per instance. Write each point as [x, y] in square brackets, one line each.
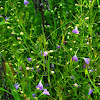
[60, 63]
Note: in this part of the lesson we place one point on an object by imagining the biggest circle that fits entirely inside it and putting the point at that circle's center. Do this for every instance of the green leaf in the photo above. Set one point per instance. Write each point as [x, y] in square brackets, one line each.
[5, 90]
[3, 22]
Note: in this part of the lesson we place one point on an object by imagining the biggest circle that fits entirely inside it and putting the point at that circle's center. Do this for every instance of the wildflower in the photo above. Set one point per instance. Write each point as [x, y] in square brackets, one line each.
[52, 65]
[58, 46]
[67, 37]
[26, 2]
[87, 60]
[32, 68]
[74, 41]
[50, 51]
[90, 91]
[18, 38]
[72, 77]
[90, 70]
[33, 95]
[39, 86]
[21, 33]
[41, 52]
[71, 49]
[38, 69]
[29, 59]
[48, 25]
[66, 12]
[27, 68]
[87, 43]
[46, 92]
[6, 18]
[95, 69]
[68, 32]
[88, 67]
[90, 37]
[66, 94]
[55, 7]
[75, 30]
[75, 58]
[98, 83]
[16, 86]
[86, 18]
[37, 66]
[76, 84]
[45, 62]
[20, 68]
[45, 53]
[52, 72]
[84, 66]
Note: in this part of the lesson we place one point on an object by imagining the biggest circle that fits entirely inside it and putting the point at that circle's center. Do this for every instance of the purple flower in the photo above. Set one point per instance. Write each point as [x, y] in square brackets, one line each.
[48, 25]
[46, 92]
[41, 52]
[45, 53]
[20, 68]
[84, 66]
[52, 65]
[87, 60]
[72, 77]
[87, 43]
[88, 67]
[16, 86]
[33, 95]
[45, 61]
[32, 69]
[75, 30]
[58, 46]
[90, 70]
[29, 59]
[38, 69]
[74, 58]
[39, 86]
[90, 91]
[66, 12]
[26, 2]
[6, 18]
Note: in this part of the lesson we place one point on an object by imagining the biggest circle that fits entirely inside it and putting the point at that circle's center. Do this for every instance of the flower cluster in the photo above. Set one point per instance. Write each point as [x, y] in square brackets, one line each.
[87, 60]
[90, 91]
[40, 87]
[44, 53]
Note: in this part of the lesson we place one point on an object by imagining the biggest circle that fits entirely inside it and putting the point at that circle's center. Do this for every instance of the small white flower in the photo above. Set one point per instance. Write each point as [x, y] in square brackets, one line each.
[27, 68]
[75, 84]
[52, 72]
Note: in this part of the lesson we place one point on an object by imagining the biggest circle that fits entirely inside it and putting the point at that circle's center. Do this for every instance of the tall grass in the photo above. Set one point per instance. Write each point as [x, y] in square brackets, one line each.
[22, 37]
